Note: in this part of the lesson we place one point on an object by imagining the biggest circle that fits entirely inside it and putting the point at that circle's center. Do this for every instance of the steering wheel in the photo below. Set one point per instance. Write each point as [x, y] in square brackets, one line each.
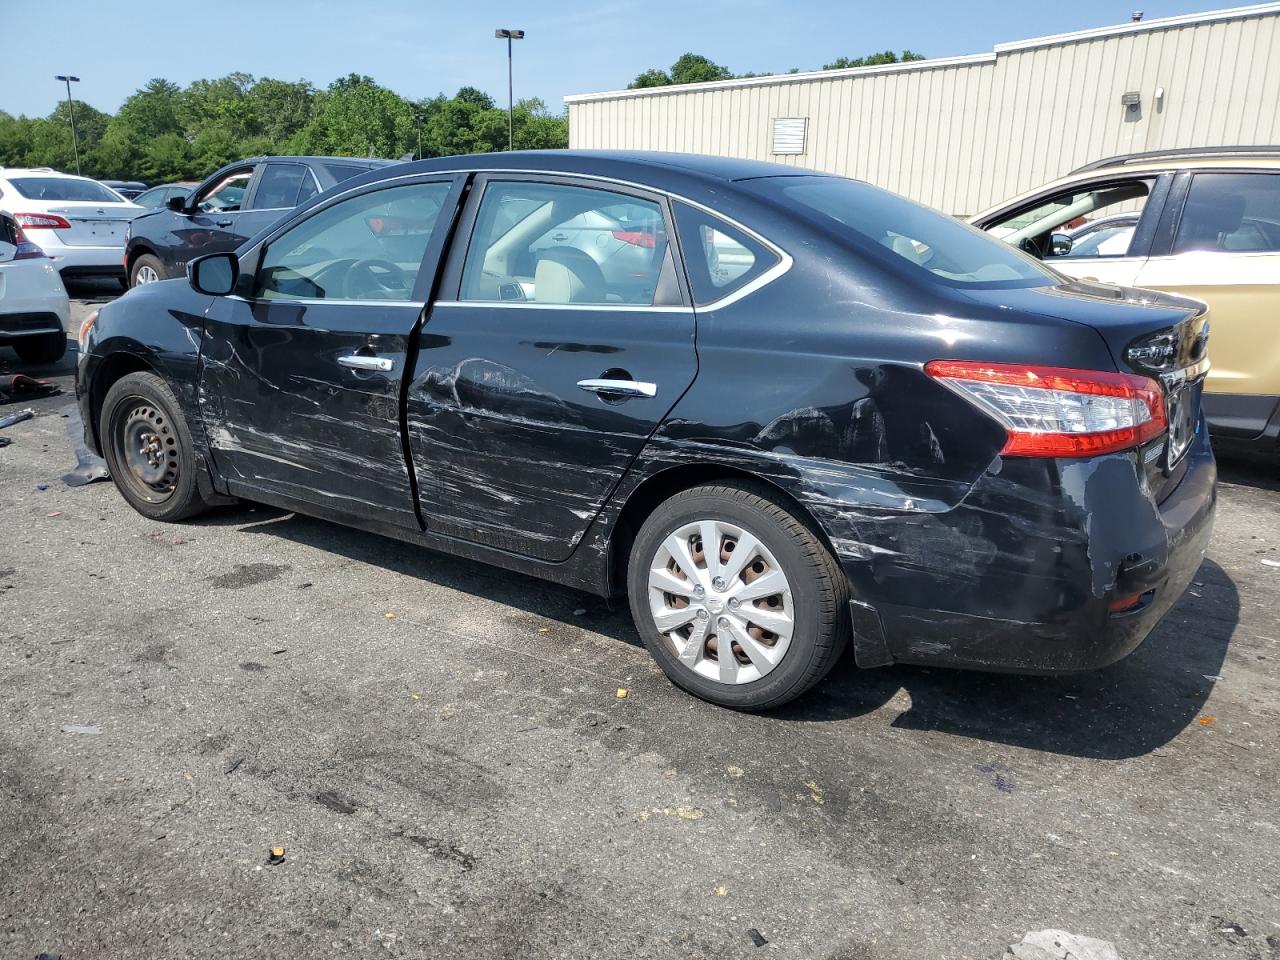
[376, 280]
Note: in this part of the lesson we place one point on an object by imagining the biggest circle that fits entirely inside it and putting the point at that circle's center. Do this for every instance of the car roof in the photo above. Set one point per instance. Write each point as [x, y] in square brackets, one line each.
[40, 171]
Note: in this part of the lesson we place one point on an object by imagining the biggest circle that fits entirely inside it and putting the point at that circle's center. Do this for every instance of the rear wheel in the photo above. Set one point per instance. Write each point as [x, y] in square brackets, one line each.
[736, 597]
[42, 348]
[148, 448]
[146, 269]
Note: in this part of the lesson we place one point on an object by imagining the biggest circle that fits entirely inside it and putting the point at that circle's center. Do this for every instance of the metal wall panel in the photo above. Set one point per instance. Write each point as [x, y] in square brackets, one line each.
[964, 133]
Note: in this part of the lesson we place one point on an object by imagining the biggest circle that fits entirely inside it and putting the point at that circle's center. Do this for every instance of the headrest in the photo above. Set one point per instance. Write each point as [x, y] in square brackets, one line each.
[567, 275]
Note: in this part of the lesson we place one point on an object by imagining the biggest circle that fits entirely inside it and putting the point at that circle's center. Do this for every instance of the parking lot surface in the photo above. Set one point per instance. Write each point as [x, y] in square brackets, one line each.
[442, 750]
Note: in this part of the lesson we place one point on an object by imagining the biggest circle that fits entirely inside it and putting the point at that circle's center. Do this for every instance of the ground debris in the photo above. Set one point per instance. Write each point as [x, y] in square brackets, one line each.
[90, 731]
[756, 936]
[1060, 945]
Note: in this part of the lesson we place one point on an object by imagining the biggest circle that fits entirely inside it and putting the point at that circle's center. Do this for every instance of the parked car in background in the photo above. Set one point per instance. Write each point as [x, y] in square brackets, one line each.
[129, 189]
[158, 197]
[77, 222]
[1204, 222]
[34, 311]
[226, 209]
[817, 413]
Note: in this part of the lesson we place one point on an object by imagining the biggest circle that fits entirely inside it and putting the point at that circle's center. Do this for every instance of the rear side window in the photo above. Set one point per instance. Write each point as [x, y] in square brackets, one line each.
[342, 171]
[720, 258]
[1231, 213]
[278, 186]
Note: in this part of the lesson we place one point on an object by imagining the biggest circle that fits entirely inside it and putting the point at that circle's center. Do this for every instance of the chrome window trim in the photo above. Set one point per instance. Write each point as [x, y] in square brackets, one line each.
[416, 304]
[533, 305]
[784, 263]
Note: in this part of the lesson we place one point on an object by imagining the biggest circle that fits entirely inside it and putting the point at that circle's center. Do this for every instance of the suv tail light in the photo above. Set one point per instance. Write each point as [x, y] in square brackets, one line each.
[1058, 411]
[26, 249]
[41, 221]
[637, 238]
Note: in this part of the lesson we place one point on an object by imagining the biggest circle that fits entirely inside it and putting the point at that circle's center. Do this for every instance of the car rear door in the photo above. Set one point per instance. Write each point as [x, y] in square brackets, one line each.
[302, 369]
[538, 381]
[1219, 241]
[273, 195]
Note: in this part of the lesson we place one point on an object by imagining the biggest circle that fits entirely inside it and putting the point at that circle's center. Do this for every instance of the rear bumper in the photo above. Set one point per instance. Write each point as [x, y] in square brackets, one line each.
[1020, 577]
[32, 300]
[104, 261]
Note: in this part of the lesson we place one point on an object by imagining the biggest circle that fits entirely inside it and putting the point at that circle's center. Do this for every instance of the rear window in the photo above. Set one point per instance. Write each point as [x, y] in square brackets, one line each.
[64, 188]
[1231, 213]
[719, 257]
[342, 171]
[905, 234]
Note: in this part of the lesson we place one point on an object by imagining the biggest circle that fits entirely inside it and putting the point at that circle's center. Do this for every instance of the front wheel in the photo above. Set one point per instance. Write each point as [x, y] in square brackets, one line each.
[148, 449]
[737, 598]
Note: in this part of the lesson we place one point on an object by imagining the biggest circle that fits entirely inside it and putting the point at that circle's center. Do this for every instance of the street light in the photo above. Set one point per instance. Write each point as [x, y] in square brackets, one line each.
[69, 80]
[509, 35]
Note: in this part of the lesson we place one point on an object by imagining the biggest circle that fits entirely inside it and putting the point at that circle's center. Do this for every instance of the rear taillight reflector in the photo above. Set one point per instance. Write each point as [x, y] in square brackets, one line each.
[41, 221]
[1059, 411]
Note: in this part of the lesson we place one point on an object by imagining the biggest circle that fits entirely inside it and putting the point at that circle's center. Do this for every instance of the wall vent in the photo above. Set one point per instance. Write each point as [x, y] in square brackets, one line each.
[788, 135]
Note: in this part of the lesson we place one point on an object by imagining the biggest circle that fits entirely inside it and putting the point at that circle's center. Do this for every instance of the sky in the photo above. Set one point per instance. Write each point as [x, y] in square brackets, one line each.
[423, 47]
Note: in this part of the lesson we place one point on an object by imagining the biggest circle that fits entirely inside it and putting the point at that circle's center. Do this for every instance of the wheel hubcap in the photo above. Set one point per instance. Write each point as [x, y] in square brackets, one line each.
[150, 452]
[145, 274]
[723, 600]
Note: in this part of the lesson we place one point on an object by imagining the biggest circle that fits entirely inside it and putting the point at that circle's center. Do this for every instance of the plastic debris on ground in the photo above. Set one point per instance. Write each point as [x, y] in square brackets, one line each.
[18, 386]
[89, 466]
[12, 418]
[622, 693]
[756, 936]
[1060, 945]
[90, 731]
[275, 856]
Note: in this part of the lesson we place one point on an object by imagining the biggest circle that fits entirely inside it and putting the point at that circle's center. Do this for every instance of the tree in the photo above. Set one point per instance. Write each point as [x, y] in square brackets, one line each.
[873, 60]
[357, 118]
[153, 111]
[690, 68]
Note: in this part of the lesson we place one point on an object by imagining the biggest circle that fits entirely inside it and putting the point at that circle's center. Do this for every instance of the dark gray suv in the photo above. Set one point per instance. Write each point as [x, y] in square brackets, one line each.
[228, 208]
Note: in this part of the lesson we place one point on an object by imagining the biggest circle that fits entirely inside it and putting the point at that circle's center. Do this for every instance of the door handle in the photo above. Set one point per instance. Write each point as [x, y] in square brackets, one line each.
[620, 388]
[360, 362]
[224, 223]
[560, 238]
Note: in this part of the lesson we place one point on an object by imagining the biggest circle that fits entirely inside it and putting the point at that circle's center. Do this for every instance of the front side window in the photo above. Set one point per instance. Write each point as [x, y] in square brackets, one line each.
[904, 234]
[1231, 213]
[368, 247]
[278, 186]
[227, 194]
[719, 257]
[553, 243]
[1090, 221]
[64, 188]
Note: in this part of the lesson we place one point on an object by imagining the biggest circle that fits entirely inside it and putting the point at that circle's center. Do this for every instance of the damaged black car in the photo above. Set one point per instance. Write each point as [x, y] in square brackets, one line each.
[783, 413]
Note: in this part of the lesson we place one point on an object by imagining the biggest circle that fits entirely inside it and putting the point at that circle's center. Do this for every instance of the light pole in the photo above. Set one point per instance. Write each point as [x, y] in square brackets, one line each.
[509, 35]
[75, 147]
[417, 118]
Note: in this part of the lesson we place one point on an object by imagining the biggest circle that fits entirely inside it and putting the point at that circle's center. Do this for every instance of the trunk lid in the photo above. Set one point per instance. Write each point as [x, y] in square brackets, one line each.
[95, 224]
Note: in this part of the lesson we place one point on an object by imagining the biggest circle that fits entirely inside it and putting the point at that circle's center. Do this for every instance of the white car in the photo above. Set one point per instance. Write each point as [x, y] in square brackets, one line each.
[79, 223]
[34, 311]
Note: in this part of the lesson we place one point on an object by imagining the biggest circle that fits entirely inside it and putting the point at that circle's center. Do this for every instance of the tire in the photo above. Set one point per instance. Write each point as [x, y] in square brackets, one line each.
[148, 448]
[812, 600]
[42, 348]
[146, 266]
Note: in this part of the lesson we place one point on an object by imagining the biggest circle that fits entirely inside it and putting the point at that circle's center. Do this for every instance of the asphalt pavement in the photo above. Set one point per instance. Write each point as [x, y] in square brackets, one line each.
[443, 753]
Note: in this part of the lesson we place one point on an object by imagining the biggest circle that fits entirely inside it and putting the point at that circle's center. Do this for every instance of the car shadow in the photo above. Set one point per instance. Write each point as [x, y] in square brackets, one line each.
[1248, 464]
[1126, 710]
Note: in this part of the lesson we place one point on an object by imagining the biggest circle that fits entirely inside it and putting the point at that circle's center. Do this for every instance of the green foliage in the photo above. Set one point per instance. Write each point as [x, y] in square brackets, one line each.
[164, 132]
[695, 68]
[873, 60]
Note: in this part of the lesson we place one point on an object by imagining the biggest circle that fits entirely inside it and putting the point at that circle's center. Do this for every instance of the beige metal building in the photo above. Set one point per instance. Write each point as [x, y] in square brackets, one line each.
[962, 133]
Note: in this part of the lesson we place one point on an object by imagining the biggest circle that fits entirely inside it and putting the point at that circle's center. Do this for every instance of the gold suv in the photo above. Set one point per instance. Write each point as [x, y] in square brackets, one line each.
[1203, 222]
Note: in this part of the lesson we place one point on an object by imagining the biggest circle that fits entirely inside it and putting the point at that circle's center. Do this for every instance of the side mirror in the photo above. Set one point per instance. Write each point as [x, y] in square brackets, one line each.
[214, 274]
[176, 204]
[1060, 245]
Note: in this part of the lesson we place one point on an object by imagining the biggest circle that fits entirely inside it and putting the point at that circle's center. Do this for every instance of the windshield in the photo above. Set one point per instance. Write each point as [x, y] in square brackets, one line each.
[907, 233]
[64, 188]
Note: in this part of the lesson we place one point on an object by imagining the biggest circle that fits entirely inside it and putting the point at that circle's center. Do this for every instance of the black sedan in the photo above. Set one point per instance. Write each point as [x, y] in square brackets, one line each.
[816, 415]
[230, 206]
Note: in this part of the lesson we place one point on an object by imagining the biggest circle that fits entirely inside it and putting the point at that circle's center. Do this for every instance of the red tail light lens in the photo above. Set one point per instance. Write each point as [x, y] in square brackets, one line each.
[26, 249]
[1059, 411]
[41, 221]
[637, 238]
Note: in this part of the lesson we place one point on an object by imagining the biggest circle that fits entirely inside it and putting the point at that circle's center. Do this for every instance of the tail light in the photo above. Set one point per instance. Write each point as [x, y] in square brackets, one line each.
[41, 221]
[1058, 411]
[26, 249]
[637, 238]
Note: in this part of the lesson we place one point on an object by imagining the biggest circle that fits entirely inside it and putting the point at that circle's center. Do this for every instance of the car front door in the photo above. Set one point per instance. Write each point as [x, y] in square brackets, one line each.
[210, 222]
[538, 378]
[1039, 226]
[301, 370]
[1221, 244]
